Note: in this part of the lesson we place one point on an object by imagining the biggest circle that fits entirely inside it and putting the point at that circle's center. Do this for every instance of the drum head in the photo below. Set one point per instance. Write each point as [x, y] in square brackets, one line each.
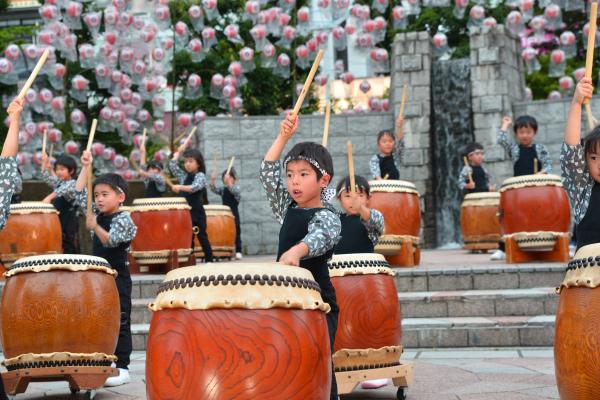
[32, 207]
[159, 204]
[584, 269]
[531, 181]
[393, 186]
[358, 264]
[54, 262]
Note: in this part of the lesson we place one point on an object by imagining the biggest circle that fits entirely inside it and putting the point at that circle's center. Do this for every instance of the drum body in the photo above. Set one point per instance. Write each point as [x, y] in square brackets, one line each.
[164, 224]
[368, 300]
[220, 227]
[32, 228]
[577, 338]
[479, 220]
[243, 331]
[57, 304]
[398, 201]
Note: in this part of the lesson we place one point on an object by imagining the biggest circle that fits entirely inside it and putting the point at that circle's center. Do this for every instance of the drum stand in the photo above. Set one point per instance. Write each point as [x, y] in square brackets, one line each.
[172, 263]
[401, 375]
[408, 256]
[560, 252]
[80, 378]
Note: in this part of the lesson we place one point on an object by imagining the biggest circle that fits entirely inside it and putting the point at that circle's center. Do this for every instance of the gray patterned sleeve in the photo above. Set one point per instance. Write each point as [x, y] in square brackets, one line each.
[463, 177]
[18, 184]
[399, 153]
[510, 146]
[81, 201]
[375, 225]
[8, 174]
[50, 180]
[199, 182]
[66, 189]
[576, 176]
[324, 231]
[218, 190]
[159, 181]
[122, 230]
[278, 196]
[236, 191]
[374, 167]
[544, 157]
[176, 171]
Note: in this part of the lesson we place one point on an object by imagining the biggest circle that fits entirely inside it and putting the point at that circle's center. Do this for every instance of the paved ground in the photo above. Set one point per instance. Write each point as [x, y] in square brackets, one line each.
[448, 374]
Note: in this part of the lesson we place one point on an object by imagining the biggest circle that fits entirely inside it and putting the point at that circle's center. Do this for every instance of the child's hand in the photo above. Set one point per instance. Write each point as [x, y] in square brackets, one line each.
[90, 221]
[492, 188]
[288, 126]
[45, 161]
[291, 257]
[470, 185]
[176, 155]
[506, 121]
[15, 108]
[86, 158]
[583, 90]
[176, 188]
[356, 206]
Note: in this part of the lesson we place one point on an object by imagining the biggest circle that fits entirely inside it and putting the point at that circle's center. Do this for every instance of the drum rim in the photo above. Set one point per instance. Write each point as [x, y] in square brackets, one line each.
[217, 207]
[32, 206]
[58, 356]
[516, 182]
[57, 262]
[159, 200]
[482, 196]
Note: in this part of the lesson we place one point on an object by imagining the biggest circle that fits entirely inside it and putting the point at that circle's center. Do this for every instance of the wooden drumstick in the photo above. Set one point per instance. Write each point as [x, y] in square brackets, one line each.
[89, 148]
[386, 176]
[466, 161]
[326, 126]
[178, 138]
[589, 57]
[34, 73]
[187, 139]
[168, 180]
[403, 101]
[91, 135]
[535, 165]
[590, 116]
[351, 168]
[308, 82]
[134, 164]
[144, 136]
[44, 141]
[230, 165]
[51, 151]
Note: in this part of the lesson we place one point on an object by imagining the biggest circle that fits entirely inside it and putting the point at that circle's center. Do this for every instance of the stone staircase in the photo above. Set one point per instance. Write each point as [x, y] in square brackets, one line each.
[463, 306]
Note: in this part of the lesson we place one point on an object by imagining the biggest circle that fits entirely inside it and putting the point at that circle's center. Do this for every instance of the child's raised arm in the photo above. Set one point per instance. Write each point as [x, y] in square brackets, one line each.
[287, 129]
[86, 162]
[11, 144]
[583, 91]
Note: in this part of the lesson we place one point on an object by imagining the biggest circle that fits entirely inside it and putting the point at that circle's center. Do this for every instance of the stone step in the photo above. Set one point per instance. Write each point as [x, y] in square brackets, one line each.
[522, 331]
[479, 277]
[483, 303]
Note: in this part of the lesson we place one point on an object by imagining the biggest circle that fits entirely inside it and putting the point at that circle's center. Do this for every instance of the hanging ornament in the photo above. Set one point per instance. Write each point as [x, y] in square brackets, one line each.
[566, 85]
[195, 47]
[553, 17]
[216, 86]
[302, 54]
[339, 38]
[193, 88]
[283, 66]
[379, 61]
[196, 17]
[78, 122]
[232, 34]
[557, 63]
[247, 59]
[529, 55]
[267, 58]
[399, 17]
[259, 34]
[212, 11]
[476, 16]
[514, 22]
[460, 7]
[568, 43]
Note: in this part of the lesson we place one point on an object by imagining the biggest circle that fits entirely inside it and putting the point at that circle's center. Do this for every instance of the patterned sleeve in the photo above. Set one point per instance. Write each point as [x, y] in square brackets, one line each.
[399, 153]
[510, 146]
[375, 225]
[545, 159]
[216, 189]
[374, 167]
[8, 174]
[176, 171]
[122, 230]
[278, 196]
[463, 177]
[159, 181]
[81, 201]
[66, 190]
[576, 176]
[324, 230]
[199, 182]
[18, 184]
[236, 191]
[51, 180]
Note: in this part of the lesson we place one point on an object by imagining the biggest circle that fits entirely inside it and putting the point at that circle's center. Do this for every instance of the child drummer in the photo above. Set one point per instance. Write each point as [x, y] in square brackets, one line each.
[580, 165]
[474, 178]
[309, 230]
[231, 194]
[528, 157]
[386, 164]
[112, 232]
[154, 182]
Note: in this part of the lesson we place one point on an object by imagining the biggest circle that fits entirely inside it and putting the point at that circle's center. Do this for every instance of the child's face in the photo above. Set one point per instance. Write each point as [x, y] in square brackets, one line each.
[62, 172]
[525, 135]
[191, 165]
[593, 163]
[107, 199]
[476, 157]
[386, 145]
[347, 203]
[154, 171]
[303, 185]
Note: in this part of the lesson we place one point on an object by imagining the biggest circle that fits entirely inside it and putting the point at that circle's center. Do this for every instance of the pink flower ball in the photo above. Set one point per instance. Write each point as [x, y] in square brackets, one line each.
[97, 149]
[439, 40]
[77, 117]
[302, 51]
[557, 56]
[195, 45]
[71, 147]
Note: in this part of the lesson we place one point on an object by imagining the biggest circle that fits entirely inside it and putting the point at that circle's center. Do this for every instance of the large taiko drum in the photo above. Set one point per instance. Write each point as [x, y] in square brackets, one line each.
[238, 331]
[368, 300]
[479, 221]
[60, 310]
[220, 227]
[534, 210]
[163, 225]
[577, 338]
[32, 228]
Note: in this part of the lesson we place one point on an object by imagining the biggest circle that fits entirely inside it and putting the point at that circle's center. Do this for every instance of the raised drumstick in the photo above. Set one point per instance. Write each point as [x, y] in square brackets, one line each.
[44, 141]
[89, 148]
[34, 73]
[187, 139]
[589, 58]
[167, 180]
[351, 168]
[230, 165]
[386, 176]
[308, 82]
[326, 126]
[535, 165]
[92, 134]
[403, 101]
[144, 136]
[467, 165]
[51, 151]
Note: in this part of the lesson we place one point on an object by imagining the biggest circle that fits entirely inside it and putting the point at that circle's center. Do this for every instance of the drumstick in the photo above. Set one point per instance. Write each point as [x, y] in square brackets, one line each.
[178, 138]
[467, 165]
[590, 116]
[230, 165]
[308, 82]
[386, 176]
[51, 151]
[134, 164]
[44, 141]
[144, 136]
[167, 179]
[34, 74]
[91, 135]
[351, 168]
[403, 101]
[535, 165]
[187, 139]
[326, 126]
[89, 182]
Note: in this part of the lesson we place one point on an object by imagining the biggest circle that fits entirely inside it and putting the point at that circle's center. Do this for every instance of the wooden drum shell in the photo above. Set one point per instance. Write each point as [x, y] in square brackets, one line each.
[480, 224]
[401, 210]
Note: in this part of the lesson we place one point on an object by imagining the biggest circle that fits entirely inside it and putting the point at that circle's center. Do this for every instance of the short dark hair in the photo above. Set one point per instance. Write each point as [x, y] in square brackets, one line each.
[196, 155]
[155, 165]
[360, 182]
[471, 147]
[231, 173]
[591, 143]
[314, 151]
[115, 181]
[526, 121]
[383, 133]
[69, 163]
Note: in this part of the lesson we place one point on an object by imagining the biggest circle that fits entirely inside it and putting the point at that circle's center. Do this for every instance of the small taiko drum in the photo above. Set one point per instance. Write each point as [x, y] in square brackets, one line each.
[220, 227]
[577, 338]
[238, 331]
[479, 221]
[534, 210]
[32, 228]
[60, 311]
[368, 300]
[163, 225]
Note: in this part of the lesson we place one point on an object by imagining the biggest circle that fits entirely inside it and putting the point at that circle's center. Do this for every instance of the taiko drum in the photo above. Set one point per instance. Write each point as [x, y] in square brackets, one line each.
[32, 228]
[220, 228]
[577, 338]
[479, 220]
[399, 203]
[60, 308]
[238, 331]
[368, 300]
